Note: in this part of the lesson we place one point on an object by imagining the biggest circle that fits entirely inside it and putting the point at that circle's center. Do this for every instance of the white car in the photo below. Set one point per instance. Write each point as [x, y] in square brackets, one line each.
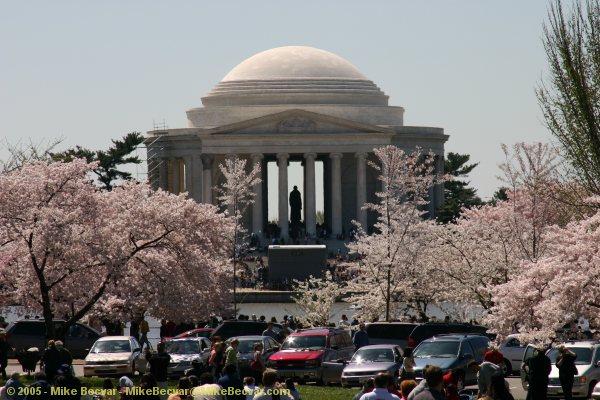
[114, 355]
[512, 349]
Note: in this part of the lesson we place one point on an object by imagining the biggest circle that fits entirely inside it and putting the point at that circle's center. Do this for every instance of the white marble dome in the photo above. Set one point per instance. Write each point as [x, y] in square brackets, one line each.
[294, 62]
[294, 75]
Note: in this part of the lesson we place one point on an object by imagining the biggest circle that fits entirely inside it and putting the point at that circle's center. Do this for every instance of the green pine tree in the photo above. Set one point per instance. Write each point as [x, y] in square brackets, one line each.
[109, 161]
[457, 193]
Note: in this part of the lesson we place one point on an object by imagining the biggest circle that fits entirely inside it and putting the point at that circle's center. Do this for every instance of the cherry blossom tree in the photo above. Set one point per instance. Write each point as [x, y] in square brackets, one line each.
[487, 245]
[559, 287]
[71, 249]
[236, 195]
[391, 256]
[316, 297]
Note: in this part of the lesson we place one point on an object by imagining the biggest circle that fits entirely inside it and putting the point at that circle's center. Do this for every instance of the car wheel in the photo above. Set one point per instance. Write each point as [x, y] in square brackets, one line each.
[507, 368]
[320, 382]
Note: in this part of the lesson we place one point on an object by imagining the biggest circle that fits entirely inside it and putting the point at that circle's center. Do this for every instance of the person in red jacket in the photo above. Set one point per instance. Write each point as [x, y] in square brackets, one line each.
[493, 355]
[453, 383]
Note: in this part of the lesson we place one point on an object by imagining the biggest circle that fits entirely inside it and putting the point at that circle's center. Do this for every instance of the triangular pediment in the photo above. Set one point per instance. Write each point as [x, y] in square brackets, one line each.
[297, 121]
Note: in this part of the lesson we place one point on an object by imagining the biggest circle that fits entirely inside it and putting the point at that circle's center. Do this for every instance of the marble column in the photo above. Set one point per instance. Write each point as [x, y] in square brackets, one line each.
[175, 166]
[207, 162]
[310, 203]
[336, 194]
[188, 174]
[282, 161]
[257, 206]
[361, 188]
[196, 180]
[163, 173]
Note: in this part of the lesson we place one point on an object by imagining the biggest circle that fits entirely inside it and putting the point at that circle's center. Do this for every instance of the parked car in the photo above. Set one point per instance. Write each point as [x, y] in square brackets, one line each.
[390, 332]
[246, 350]
[194, 333]
[451, 351]
[587, 363]
[368, 361]
[596, 391]
[317, 355]
[229, 329]
[114, 356]
[27, 333]
[186, 351]
[512, 349]
[430, 329]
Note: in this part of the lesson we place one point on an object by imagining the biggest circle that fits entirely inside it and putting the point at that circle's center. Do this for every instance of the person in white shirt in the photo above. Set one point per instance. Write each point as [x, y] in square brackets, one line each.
[380, 392]
[344, 323]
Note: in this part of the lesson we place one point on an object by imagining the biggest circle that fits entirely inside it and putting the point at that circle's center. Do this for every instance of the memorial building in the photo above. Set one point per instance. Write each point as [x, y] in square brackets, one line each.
[291, 104]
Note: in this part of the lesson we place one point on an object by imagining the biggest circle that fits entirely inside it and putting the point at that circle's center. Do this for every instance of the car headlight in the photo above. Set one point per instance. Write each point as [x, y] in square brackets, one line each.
[582, 379]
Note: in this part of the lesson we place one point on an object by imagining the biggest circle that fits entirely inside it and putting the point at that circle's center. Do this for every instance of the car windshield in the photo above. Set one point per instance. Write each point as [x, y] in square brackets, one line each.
[304, 342]
[247, 346]
[436, 350]
[584, 355]
[111, 346]
[373, 355]
[182, 347]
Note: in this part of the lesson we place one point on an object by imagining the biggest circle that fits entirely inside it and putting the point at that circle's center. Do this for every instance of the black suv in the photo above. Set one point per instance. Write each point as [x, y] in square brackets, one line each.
[26, 333]
[390, 332]
[430, 329]
[231, 328]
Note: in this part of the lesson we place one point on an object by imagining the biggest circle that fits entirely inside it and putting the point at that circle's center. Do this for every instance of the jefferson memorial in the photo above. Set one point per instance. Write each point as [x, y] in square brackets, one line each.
[283, 105]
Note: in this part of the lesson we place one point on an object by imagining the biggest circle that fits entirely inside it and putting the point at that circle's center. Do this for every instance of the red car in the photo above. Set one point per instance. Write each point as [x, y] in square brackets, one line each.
[194, 333]
[317, 355]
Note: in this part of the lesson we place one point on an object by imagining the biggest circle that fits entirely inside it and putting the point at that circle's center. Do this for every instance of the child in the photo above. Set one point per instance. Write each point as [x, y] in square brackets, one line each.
[249, 387]
[289, 384]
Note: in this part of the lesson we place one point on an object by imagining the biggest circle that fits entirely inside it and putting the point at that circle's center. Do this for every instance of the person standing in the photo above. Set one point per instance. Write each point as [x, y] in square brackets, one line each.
[257, 365]
[435, 384]
[64, 355]
[51, 361]
[4, 349]
[216, 359]
[361, 337]
[270, 332]
[538, 368]
[134, 328]
[565, 362]
[163, 330]
[232, 380]
[344, 323]
[159, 364]
[485, 370]
[494, 355]
[408, 364]
[144, 329]
[231, 354]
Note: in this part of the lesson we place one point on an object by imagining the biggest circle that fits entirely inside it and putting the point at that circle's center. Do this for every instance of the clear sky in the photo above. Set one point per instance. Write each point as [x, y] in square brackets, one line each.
[92, 71]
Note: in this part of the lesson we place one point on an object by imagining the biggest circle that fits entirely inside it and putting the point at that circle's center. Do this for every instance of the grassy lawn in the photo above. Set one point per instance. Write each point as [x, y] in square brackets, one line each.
[309, 392]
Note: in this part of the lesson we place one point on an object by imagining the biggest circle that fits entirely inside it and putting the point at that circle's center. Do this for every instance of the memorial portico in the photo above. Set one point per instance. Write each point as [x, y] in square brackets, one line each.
[291, 104]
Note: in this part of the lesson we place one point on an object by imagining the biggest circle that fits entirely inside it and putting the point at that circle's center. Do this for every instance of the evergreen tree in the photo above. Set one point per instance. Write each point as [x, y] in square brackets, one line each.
[109, 161]
[457, 193]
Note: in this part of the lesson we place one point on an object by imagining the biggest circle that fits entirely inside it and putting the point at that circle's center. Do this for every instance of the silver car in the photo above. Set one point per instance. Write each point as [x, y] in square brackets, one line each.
[184, 352]
[368, 361]
[512, 349]
[114, 355]
[587, 363]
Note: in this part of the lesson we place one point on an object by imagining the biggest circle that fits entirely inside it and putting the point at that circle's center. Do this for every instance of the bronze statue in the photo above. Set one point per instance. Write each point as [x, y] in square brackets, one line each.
[295, 208]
